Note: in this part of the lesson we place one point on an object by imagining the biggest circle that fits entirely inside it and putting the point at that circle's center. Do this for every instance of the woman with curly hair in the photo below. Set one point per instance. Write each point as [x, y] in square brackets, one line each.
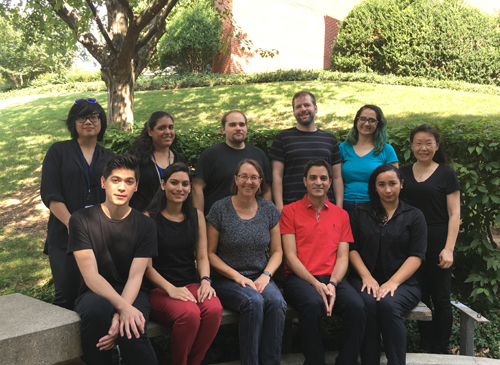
[364, 149]
[152, 148]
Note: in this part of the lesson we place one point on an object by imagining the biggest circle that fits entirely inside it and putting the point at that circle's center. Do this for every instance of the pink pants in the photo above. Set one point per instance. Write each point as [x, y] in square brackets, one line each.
[194, 324]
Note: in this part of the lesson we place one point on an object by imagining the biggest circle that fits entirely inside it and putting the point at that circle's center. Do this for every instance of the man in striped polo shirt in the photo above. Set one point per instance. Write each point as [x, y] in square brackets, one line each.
[292, 148]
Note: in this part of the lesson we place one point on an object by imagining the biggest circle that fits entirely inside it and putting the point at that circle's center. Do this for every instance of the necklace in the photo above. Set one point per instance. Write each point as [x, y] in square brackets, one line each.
[424, 172]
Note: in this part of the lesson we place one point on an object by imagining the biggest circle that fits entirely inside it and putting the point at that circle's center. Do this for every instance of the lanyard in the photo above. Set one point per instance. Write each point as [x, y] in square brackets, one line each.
[159, 167]
[88, 170]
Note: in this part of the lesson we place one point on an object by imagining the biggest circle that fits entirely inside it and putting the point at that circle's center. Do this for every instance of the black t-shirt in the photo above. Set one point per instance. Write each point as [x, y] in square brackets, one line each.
[175, 260]
[216, 168]
[430, 197]
[149, 182]
[115, 242]
[295, 148]
[64, 179]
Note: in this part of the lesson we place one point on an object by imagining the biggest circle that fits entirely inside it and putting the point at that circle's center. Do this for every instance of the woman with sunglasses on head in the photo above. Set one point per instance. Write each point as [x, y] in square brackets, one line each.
[390, 240]
[240, 229]
[364, 149]
[432, 186]
[184, 296]
[71, 175]
[152, 148]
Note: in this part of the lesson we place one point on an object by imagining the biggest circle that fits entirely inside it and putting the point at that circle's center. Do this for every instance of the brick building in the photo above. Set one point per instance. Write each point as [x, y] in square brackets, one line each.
[302, 31]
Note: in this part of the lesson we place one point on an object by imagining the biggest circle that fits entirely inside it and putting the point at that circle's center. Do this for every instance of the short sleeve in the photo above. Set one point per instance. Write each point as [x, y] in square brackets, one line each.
[390, 154]
[79, 238]
[418, 236]
[336, 158]
[202, 166]
[354, 222]
[287, 225]
[273, 213]
[452, 183]
[214, 216]
[342, 150]
[147, 245]
[276, 152]
[51, 188]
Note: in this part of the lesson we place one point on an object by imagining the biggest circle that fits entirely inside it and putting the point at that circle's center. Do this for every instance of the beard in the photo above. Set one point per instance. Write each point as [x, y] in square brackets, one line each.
[305, 122]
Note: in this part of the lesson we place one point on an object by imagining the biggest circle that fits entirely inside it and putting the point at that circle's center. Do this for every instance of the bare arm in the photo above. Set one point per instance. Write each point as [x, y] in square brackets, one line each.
[274, 261]
[205, 290]
[453, 205]
[130, 317]
[198, 197]
[221, 266]
[267, 192]
[61, 212]
[395, 164]
[338, 185]
[293, 262]
[277, 188]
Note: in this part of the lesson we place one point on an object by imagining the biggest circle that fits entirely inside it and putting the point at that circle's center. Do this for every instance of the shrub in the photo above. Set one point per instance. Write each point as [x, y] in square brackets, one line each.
[445, 40]
[191, 39]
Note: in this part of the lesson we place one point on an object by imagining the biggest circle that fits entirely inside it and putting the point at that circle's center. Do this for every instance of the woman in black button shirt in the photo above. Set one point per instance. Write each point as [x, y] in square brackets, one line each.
[152, 148]
[71, 175]
[432, 186]
[390, 240]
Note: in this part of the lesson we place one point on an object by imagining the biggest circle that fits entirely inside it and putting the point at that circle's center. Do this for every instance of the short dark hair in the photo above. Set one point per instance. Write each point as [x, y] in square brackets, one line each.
[318, 162]
[234, 187]
[440, 155]
[224, 117]
[301, 94]
[379, 210]
[84, 109]
[122, 161]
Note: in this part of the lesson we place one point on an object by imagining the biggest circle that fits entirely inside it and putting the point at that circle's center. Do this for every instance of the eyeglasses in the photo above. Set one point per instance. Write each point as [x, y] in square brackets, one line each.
[421, 144]
[371, 121]
[253, 178]
[90, 100]
[93, 119]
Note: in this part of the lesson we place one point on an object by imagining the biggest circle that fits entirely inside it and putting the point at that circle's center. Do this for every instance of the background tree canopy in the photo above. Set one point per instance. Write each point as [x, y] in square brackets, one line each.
[441, 39]
[192, 38]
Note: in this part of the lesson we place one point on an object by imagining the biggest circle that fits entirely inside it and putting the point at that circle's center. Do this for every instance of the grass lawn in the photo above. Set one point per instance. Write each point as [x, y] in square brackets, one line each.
[28, 127]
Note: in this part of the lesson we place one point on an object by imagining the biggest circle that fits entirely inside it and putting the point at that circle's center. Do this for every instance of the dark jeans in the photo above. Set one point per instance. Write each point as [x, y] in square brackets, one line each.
[349, 206]
[308, 302]
[66, 276]
[436, 285]
[262, 319]
[96, 313]
[386, 317]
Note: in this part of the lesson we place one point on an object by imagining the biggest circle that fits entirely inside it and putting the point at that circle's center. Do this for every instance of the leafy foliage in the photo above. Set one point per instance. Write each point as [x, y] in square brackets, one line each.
[435, 39]
[191, 39]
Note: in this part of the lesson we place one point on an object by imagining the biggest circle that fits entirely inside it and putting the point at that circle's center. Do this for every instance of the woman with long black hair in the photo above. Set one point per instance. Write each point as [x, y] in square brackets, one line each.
[152, 148]
[71, 180]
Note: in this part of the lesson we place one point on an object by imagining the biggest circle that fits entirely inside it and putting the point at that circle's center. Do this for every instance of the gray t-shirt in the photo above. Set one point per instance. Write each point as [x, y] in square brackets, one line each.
[243, 242]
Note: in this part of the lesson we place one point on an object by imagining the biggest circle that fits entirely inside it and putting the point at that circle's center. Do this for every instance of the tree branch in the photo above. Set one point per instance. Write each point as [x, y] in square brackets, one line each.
[101, 27]
[157, 26]
[128, 9]
[152, 10]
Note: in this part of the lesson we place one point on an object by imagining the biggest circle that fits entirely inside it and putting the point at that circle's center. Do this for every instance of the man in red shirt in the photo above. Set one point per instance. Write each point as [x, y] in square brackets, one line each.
[316, 235]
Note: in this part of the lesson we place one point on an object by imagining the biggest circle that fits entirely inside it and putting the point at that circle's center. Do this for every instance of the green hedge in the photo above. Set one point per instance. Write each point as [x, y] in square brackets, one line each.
[473, 148]
[436, 39]
[204, 80]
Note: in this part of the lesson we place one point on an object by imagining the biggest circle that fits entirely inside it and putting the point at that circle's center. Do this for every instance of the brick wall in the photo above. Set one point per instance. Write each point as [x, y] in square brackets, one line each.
[302, 31]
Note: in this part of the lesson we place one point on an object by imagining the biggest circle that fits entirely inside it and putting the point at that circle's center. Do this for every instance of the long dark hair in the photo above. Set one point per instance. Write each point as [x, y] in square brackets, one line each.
[143, 146]
[440, 155]
[159, 202]
[381, 215]
[380, 136]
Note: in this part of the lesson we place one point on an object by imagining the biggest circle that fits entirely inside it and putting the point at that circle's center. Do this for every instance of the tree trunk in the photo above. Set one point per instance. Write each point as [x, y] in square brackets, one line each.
[120, 87]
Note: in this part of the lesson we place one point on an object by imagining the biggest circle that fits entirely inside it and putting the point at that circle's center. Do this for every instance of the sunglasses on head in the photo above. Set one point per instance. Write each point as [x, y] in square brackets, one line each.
[90, 100]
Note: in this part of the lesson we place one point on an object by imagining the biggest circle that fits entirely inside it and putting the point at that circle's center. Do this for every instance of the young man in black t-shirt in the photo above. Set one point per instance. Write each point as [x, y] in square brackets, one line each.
[112, 244]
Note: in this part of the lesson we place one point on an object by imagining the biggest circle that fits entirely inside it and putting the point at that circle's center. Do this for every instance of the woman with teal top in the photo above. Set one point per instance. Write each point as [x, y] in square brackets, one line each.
[152, 148]
[364, 149]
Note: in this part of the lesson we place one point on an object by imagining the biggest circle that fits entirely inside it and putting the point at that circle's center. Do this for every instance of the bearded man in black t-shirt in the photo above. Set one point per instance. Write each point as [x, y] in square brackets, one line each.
[112, 244]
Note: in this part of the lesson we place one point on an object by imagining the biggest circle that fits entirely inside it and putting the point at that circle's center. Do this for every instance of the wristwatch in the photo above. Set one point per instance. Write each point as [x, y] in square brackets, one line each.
[267, 273]
[206, 278]
[333, 283]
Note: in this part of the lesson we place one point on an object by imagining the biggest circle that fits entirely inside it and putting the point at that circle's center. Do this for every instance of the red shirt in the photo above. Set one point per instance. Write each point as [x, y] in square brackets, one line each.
[317, 238]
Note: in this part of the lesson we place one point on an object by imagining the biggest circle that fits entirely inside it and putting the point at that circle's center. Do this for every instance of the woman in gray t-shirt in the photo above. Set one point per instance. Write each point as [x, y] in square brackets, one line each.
[240, 228]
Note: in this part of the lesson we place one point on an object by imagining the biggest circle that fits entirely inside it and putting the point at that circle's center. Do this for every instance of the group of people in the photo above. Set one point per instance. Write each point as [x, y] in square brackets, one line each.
[137, 235]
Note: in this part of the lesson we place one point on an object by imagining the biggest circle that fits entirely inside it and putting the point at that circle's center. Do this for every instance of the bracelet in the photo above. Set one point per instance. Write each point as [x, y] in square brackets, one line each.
[206, 278]
[333, 283]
